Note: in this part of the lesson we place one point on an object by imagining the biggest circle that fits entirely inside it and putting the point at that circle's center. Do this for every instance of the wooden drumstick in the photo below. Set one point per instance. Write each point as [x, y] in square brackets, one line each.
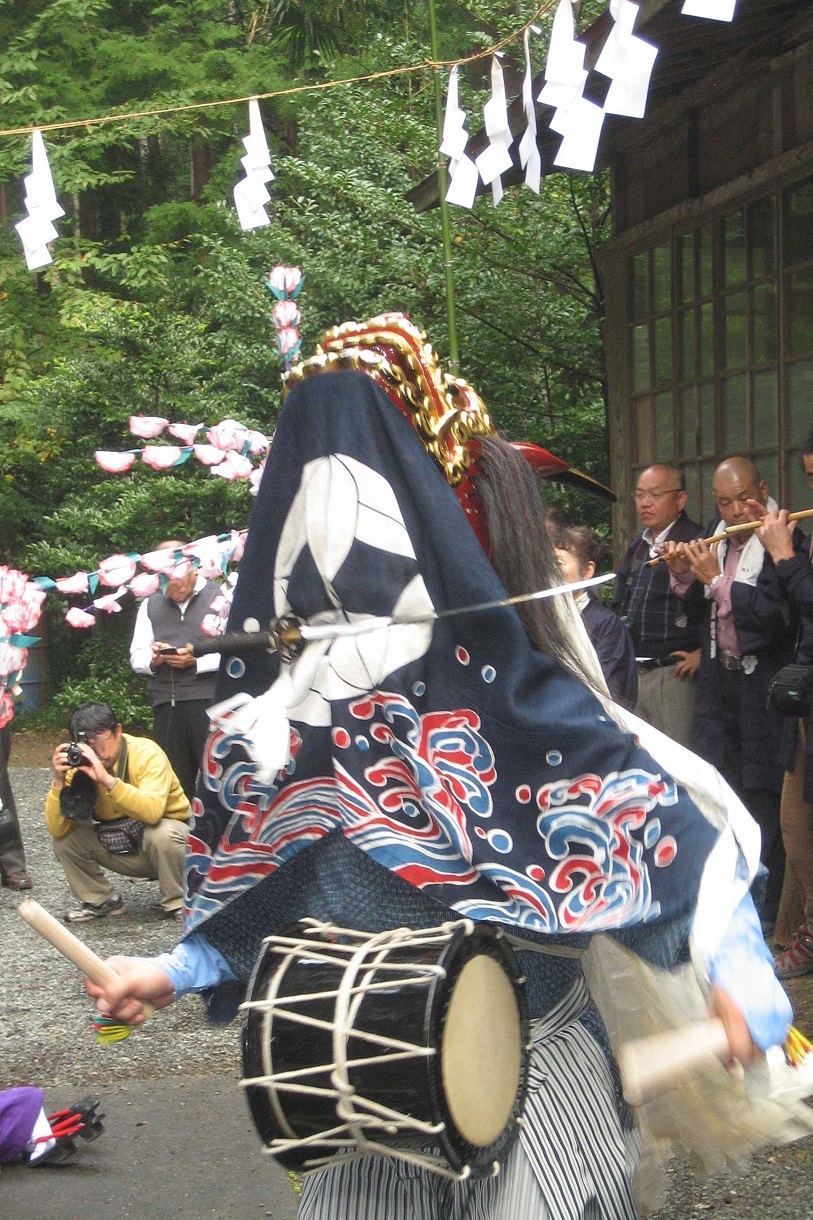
[71, 947]
[652, 1065]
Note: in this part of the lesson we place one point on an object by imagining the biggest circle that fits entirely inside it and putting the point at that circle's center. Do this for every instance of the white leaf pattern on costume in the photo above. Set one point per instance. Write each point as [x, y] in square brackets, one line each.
[341, 501]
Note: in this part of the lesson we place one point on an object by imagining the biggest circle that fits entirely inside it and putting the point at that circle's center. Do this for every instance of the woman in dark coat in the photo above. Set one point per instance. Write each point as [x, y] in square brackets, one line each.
[578, 552]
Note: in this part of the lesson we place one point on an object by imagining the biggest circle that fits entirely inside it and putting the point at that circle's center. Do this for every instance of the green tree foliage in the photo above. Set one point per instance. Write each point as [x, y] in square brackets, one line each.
[155, 303]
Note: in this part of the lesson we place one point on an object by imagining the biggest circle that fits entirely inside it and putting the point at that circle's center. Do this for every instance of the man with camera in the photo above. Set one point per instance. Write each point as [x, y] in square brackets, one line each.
[115, 803]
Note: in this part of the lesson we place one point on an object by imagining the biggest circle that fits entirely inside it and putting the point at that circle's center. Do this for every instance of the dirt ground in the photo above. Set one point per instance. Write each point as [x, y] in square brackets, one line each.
[34, 749]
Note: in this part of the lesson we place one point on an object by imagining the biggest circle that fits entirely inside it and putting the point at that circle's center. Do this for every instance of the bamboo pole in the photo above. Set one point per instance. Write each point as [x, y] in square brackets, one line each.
[444, 207]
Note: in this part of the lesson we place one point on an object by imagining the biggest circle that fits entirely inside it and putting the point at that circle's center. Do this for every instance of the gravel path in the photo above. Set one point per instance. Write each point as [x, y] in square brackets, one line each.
[45, 1037]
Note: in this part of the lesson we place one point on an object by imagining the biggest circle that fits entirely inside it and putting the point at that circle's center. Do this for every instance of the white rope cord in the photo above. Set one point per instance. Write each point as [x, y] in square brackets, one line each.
[361, 957]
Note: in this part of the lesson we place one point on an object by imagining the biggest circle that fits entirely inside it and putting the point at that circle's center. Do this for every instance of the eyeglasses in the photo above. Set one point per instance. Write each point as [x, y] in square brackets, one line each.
[657, 494]
[99, 739]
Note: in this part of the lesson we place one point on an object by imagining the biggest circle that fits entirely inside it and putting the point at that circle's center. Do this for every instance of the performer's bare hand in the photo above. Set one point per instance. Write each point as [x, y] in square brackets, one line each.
[702, 558]
[137, 979]
[776, 535]
[674, 553]
[743, 1048]
[688, 664]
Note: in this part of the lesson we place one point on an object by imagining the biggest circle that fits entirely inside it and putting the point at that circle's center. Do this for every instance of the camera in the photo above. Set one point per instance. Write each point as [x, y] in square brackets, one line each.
[74, 755]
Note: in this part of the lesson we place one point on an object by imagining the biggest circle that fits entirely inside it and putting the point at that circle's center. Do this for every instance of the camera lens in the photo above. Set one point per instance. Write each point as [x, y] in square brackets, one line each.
[74, 755]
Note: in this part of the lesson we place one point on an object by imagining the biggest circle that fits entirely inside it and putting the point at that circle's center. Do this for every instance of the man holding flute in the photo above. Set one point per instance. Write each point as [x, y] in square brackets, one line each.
[748, 634]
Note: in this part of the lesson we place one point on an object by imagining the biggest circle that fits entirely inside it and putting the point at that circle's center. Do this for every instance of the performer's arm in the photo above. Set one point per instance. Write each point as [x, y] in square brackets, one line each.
[742, 969]
[193, 965]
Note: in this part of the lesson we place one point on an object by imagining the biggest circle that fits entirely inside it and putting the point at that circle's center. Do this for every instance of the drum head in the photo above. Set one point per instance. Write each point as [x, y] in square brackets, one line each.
[482, 1028]
[481, 1056]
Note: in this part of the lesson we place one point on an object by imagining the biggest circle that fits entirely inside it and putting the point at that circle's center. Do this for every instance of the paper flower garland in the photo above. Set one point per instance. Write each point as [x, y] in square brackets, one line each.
[213, 556]
[286, 283]
[228, 451]
[20, 606]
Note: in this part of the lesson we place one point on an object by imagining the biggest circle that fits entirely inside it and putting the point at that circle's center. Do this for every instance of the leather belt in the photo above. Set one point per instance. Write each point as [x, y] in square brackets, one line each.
[648, 663]
[729, 661]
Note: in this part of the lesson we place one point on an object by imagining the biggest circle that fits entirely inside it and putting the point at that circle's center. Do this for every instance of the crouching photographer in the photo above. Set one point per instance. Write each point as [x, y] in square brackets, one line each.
[115, 803]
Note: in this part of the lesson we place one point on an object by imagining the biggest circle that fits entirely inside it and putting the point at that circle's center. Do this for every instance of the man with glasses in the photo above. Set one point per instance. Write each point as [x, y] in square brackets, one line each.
[665, 629]
[748, 635]
[115, 803]
[181, 687]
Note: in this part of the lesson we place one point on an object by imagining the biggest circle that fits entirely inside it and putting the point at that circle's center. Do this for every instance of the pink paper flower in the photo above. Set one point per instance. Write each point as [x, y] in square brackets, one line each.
[78, 618]
[161, 457]
[285, 279]
[12, 661]
[255, 478]
[185, 432]
[116, 570]
[228, 434]
[6, 708]
[158, 561]
[285, 313]
[213, 624]
[144, 584]
[258, 442]
[110, 602]
[287, 339]
[114, 463]
[237, 544]
[208, 454]
[78, 583]
[180, 569]
[147, 426]
[234, 467]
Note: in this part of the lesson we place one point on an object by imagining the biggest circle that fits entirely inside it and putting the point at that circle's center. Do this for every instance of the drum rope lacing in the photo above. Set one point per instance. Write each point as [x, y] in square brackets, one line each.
[360, 1117]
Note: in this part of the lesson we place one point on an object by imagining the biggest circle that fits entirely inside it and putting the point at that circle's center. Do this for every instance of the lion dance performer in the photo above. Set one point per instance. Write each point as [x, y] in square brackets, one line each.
[467, 765]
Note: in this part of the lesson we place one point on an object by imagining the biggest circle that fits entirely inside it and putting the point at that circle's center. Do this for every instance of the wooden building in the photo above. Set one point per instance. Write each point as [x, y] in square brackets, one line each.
[708, 278]
[709, 274]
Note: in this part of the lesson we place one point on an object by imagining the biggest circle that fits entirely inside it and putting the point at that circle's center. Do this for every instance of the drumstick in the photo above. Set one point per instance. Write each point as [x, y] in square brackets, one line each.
[71, 947]
[742, 528]
[651, 1065]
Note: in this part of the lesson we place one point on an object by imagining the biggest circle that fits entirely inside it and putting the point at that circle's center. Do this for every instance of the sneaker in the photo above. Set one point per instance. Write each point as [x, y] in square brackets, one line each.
[114, 905]
[797, 959]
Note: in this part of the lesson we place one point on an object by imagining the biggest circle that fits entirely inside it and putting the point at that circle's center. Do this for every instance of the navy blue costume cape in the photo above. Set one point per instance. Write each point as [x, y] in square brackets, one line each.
[469, 765]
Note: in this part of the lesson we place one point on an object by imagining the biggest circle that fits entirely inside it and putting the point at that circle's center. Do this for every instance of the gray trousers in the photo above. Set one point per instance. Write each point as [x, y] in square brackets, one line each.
[667, 703]
[161, 859]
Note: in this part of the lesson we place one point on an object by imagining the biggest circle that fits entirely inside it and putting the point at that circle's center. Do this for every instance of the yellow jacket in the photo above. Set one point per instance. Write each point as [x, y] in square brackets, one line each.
[153, 791]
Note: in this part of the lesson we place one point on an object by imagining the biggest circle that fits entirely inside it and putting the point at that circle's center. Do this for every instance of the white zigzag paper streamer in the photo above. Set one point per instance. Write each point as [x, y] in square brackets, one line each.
[250, 194]
[628, 62]
[36, 230]
[712, 10]
[529, 157]
[463, 172]
[495, 159]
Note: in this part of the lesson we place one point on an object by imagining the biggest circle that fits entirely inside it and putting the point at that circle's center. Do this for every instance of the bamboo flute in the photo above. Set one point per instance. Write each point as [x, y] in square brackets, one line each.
[743, 528]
